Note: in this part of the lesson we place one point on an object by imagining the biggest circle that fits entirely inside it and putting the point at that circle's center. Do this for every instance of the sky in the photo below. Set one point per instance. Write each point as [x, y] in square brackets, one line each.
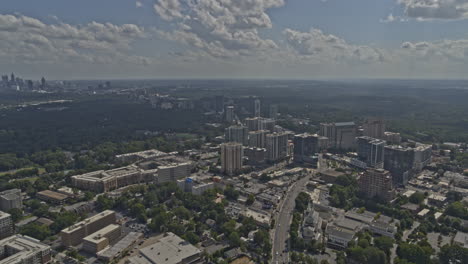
[255, 39]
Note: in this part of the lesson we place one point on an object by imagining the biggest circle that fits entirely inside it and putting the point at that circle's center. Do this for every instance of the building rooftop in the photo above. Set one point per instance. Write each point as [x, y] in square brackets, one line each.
[53, 195]
[100, 235]
[87, 221]
[120, 246]
[365, 217]
[340, 232]
[21, 248]
[461, 238]
[170, 249]
[147, 154]
[4, 215]
[344, 124]
[332, 173]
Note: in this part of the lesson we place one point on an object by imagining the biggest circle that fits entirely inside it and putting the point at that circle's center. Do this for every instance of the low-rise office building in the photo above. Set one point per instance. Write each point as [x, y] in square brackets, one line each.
[104, 181]
[102, 238]
[169, 249]
[173, 172]
[20, 249]
[73, 235]
[52, 197]
[6, 225]
[339, 237]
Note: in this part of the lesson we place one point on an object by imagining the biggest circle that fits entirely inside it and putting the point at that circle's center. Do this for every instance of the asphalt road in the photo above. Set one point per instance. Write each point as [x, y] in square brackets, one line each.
[283, 221]
[405, 236]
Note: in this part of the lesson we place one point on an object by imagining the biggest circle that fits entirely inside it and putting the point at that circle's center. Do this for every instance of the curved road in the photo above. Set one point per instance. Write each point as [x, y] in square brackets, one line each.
[283, 221]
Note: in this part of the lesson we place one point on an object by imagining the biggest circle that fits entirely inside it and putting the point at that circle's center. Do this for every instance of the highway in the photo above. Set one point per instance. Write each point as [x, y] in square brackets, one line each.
[283, 220]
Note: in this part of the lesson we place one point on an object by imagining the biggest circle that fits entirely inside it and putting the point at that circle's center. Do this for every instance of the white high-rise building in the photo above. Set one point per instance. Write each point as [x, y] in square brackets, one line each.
[257, 108]
[239, 134]
[257, 139]
[374, 128]
[277, 146]
[230, 117]
[231, 158]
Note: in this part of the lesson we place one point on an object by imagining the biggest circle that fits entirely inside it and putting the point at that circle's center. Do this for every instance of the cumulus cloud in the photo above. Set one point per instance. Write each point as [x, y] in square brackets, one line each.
[29, 40]
[138, 4]
[320, 47]
[219, 28]
[438, 51]
[435, 9]
[391, 18]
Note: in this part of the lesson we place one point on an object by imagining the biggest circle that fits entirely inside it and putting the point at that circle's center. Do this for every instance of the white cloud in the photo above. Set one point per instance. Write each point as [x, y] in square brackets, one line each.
[138, 4]
[30, 41]
[391, 18]
[316, 46]
[435, 9]
[219, 28]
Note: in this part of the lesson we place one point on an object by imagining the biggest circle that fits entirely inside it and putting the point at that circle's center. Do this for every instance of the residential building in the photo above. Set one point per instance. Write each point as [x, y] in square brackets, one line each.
[422, 157]
[169, 249]
[305, 147]
[376, 182]
[10, 199]
[6, 225]
[399, 162]
[173, 172]
[104, 181]
[229, 114]
[341, 135]
[74, 234]
[461, 239]
[329, 176]
[277, 146]
[257, 139]
[231, 158]
[255, 156]
[102, 238]
[371, 151]
[18, 249]
[257, 108]
[260, 123]
[273, 113]
[195, 187]
[437, 200]
[239, 134]
[141, 155]
[374, 128]
[393, 138]
[404, 162]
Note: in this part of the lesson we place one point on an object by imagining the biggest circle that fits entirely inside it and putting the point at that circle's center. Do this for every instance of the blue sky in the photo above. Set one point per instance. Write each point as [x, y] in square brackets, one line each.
[307, 39]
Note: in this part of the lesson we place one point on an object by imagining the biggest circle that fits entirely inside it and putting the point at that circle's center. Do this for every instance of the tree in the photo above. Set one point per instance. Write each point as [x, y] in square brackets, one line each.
[231, 193]
[16, 214]
[453, 254]
[103, 202]
[384, 243]
[417, 198]
[234, 239]
[302, 202]
[457, 209]
[414, 253]
[37, 231]
[250, 199]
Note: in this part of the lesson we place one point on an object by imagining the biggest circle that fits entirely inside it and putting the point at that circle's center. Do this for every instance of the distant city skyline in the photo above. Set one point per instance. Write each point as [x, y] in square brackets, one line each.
[253, 39]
